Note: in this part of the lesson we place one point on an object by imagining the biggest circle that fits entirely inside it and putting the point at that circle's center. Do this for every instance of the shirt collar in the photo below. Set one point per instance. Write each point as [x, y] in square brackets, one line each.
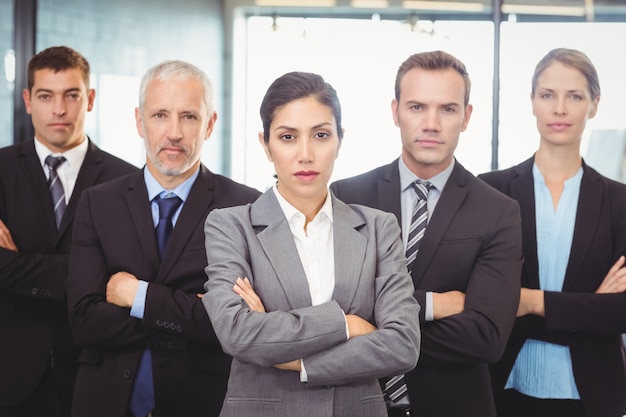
[154, 188]
[74, 157]
[407, 177]
[290, 211]
[574, 179]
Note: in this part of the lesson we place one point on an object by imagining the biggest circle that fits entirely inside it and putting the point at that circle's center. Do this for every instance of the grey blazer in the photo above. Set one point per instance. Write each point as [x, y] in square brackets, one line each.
[372, 282]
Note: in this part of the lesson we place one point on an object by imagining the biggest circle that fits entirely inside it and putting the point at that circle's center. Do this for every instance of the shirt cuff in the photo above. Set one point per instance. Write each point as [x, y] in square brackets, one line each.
[139, 303]
[303, 376]
[429, 315]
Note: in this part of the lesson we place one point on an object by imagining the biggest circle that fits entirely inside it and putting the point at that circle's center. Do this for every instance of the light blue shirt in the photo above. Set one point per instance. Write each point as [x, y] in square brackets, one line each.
[155, 189]
[542, 369]
[408, 200]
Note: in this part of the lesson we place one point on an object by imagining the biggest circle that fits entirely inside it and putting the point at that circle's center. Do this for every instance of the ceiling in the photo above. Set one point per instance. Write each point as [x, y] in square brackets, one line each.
[583, 10]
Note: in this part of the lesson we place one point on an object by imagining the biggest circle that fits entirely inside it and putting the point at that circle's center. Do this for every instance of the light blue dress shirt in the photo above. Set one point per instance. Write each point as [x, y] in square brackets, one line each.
[542, 369]
[155, 189]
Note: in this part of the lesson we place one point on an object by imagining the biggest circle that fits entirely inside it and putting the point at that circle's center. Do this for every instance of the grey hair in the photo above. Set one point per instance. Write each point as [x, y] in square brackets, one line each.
[180, 70]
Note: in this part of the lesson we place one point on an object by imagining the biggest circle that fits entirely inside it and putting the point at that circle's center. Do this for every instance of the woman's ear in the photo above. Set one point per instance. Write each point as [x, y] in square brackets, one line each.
[265, 146]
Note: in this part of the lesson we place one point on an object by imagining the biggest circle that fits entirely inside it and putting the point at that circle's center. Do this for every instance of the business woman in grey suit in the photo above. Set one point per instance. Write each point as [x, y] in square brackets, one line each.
[309, 295]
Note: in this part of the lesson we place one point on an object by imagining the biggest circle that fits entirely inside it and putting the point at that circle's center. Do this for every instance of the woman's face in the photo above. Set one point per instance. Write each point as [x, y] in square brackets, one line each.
[562, 104]
[303, 145]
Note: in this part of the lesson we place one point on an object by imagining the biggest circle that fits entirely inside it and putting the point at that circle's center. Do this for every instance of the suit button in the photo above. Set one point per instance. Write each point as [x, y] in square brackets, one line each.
[179, 328]
[170, 345]
[34, 291]
[127, 373]
[159, 323]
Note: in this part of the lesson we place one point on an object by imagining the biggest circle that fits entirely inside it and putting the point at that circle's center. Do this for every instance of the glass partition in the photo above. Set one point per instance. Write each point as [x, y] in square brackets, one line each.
[360, 59]
[7, 74]
[121, 40]
[523, 45]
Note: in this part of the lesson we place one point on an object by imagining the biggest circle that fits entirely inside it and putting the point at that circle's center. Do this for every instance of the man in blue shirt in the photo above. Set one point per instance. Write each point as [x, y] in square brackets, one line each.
[137, 266]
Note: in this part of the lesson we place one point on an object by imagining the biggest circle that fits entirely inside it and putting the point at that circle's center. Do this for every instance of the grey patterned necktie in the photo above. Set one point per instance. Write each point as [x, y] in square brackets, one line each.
[57, 194]
[418, 221]
[394, 390]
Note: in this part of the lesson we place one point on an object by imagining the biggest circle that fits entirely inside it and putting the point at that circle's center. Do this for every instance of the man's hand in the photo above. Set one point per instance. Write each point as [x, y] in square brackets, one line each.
[358, 326]
[447, 303]
[531, 302]
[6, 240]
[615, 280]
[121, 289]
[244, 289]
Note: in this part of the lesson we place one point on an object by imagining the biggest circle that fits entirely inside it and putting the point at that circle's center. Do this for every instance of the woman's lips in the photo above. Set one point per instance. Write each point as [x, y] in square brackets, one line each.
[306, 175]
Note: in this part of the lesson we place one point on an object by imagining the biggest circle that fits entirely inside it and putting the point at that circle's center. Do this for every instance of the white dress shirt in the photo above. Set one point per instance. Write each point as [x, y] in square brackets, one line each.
[316, 251]
[68, 170]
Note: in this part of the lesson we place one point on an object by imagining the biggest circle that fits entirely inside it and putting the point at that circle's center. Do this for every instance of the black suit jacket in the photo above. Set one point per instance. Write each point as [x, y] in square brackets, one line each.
[114, 232]
[472, 244]
[590, 324]
[33, 314]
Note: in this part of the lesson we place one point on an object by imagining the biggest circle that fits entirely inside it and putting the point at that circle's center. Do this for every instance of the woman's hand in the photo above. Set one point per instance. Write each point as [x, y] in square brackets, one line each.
[244, 289]
[358, 326]
[531, 302]
[615, 280]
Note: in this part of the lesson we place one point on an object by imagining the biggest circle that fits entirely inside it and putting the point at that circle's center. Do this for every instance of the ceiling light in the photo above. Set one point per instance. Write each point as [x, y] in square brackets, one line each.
[444, 6]
[543, 10]
[372, 4]
[297, 3]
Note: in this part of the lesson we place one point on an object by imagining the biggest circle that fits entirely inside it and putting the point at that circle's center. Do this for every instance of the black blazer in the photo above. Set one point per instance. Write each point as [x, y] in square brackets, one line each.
[33, 314]
[114, 232]
[472, 244]
[590, 324]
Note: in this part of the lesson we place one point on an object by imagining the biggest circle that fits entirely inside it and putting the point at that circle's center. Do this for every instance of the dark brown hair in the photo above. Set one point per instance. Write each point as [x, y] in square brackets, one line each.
[294, 86]
[57, 58]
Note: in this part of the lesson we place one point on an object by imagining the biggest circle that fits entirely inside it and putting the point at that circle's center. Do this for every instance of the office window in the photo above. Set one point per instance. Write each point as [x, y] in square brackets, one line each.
[121, 40]
[7, 65]
[360, 59]
[523, 45]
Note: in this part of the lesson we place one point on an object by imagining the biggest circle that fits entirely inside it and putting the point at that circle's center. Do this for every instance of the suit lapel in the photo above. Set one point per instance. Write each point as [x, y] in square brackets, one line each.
[388, 191]
[37, 179]
[350, 246]
[87, 176]
[523, 190]
[192, 216]
[451, 200]
[141, 214]
[275, 240]
[587, 218]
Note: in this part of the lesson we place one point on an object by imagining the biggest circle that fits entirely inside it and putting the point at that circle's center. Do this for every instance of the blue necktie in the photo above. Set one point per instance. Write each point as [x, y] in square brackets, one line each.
[142, 399]
[57, 194]
[167, 208]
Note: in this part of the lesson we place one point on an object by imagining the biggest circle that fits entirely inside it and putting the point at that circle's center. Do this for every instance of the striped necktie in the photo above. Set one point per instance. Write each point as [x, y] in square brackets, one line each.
[418, 221]
[394, 390]
[57, 194]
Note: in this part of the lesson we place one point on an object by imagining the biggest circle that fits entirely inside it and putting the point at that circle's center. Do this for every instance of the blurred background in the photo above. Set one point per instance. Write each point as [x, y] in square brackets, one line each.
[357, 45]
